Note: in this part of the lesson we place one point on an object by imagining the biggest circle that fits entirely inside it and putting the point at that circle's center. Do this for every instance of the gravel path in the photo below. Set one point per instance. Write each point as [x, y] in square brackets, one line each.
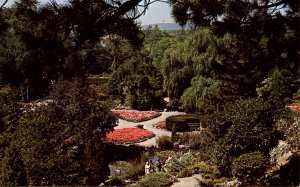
[149, 126]
[187, 181]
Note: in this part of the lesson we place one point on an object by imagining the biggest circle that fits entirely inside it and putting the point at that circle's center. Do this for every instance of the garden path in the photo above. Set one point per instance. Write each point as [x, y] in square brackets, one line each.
[187, 181]
[149, 126]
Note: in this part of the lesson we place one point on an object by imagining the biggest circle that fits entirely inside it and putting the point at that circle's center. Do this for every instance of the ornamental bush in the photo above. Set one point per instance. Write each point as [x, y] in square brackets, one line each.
[175, 166]
[210, 175]
[249, 166]
[164, 142]
[245, 126]
[155, 179]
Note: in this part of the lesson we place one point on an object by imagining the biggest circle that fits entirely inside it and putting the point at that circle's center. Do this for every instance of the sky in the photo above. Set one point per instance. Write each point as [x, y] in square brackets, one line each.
[158, 12]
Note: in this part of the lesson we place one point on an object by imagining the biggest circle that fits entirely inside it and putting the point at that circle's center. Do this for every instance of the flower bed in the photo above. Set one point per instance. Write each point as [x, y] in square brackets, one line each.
[294, 108]
[161, 125]
[129, 135]
[136, 116]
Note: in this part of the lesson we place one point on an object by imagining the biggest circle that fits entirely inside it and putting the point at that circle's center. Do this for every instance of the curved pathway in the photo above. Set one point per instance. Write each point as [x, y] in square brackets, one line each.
[187, 181]
[149, 126]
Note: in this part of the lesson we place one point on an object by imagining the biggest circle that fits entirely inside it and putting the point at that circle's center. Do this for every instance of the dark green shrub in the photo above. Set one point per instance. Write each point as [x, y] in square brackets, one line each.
[137, 168]
[182, 138]
[211, 182]
[207, 170]
[186, 172]
[175, 166]
[200, 140]
[249, 166]
[297, 96]
[277, 87]
[249, 126]
[205, 182]
[135, 171]
[210, 175]
[117, 181]
[164, 142]
[160, 179]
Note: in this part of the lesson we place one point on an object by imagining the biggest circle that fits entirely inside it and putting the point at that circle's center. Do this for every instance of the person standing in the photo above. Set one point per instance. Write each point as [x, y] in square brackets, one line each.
[157, 166]
[147, 168]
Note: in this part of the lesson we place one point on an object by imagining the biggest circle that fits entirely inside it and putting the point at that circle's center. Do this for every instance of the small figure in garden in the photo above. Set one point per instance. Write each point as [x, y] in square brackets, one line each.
[157, 166]
[147, 168]
[167, 163]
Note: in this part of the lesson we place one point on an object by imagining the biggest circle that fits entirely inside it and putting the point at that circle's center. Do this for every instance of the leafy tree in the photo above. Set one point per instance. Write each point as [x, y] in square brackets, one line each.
[203, 94]
[242, 48]
[157, 42]
[277, 88]
[211, 57]
[138, 82]
[61, 142]
[59, 39]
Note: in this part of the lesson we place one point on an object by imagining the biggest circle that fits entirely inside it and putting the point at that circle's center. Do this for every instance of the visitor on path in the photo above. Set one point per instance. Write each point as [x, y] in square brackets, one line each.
[147, 168]
[157, 166]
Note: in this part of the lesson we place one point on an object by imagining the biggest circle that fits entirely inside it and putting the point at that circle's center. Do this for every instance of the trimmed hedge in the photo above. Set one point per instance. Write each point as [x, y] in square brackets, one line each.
[180, 123]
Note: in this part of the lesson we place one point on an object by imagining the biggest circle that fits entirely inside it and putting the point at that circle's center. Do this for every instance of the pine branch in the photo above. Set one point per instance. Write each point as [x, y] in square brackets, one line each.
[3, 4]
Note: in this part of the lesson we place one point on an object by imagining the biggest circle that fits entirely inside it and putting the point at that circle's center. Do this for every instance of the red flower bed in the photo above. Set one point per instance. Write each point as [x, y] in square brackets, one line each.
[294, 108]
[136, 116]
[161, 125]
[129, 135]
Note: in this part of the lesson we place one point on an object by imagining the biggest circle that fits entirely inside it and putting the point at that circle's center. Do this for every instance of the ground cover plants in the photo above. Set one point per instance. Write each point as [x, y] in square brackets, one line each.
[155, 179]
[136, 116]
[129, 135]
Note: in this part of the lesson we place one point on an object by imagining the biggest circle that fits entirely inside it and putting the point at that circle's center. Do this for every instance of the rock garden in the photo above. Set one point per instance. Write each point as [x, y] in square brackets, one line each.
[185, 147]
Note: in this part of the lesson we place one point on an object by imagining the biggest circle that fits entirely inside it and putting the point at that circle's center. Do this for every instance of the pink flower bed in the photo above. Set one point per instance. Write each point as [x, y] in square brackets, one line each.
[294, 108]
[136, 116]
[161, 125]
[129, 135]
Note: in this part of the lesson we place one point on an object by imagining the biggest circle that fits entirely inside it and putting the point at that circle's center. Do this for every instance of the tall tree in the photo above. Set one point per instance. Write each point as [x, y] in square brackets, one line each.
[58, 39]
[244, 48]
[59, 143]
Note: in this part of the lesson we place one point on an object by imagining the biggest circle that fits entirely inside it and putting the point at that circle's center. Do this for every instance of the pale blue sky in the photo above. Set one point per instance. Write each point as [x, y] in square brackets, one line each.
[157, 13]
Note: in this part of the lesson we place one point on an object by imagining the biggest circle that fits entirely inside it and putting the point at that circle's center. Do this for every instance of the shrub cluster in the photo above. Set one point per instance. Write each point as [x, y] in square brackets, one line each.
[249, 166]
[210, 175]
[155, 179]
[164, 142]
[180, 167]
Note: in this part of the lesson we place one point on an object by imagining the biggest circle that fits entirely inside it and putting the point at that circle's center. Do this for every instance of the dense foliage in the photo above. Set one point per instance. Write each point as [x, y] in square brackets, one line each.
[46, 41]
[235, 70]
[155, 179]
[47, 140]
[249, 166]
[137, 82]
[58, 141]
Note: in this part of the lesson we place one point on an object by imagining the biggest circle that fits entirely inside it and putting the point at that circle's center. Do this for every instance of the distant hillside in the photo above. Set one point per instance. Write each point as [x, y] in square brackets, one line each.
[164, 26]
